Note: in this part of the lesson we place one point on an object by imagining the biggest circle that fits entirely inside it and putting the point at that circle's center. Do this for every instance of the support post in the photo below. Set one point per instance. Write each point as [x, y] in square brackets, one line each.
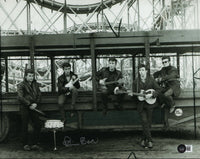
[32, 52]
[147, 52]
[133, 69]
[93, 58]
[53, 74]
[194, 96]
[178, 62]
[6, 72]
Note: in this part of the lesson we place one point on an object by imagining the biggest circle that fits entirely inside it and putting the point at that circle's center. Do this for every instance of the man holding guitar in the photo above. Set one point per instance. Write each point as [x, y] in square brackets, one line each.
[67, 87]
[110, 79]
[147, 89]
[167, 77]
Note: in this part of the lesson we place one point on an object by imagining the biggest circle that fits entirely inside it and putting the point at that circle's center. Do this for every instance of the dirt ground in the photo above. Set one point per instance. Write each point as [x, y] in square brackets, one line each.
[92, 145]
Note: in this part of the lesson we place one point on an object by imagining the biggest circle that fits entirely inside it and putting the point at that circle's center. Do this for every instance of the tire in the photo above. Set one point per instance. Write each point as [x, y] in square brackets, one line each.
[4, 126]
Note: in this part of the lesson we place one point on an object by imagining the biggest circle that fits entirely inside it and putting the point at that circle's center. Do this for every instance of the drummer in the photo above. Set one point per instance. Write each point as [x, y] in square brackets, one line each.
[29, 96]
[64, 92]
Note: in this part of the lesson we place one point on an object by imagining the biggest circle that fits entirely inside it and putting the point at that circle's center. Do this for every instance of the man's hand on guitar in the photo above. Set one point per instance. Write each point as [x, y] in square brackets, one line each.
[73, 77]
[71, 87]
[102, 81]
[159, 79]
[121, 81]
[33, 106]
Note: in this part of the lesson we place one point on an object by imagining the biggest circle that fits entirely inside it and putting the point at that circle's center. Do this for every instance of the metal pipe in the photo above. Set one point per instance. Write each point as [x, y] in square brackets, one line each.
[138, 9]
[65, 22]
[28, 18]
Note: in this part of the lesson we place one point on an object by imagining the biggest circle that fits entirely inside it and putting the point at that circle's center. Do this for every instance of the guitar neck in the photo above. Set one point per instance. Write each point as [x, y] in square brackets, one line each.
[76, 80]
[137, 94]
[111, 82]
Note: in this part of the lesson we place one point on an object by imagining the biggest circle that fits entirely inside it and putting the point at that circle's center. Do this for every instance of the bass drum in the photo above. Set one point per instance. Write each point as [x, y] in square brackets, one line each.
[4, 126]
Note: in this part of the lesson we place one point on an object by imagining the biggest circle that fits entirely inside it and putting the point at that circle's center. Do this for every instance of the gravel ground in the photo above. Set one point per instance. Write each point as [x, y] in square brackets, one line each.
[89, 145]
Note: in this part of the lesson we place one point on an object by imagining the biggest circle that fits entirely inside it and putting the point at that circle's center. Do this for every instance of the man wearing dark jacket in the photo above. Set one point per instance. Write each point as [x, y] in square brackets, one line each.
[67, 87]
[29, 96]
[114, 76]
[167, 77]
[145, 83]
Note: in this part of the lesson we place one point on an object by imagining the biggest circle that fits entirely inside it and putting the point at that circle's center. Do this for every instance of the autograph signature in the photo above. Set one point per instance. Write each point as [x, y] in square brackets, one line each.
[83, 141]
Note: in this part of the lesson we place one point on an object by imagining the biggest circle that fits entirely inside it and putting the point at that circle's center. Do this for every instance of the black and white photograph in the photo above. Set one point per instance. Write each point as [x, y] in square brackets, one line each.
[100, 79]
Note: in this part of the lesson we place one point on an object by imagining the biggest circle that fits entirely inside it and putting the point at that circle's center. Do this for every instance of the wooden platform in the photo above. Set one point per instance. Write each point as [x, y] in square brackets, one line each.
[84, 101]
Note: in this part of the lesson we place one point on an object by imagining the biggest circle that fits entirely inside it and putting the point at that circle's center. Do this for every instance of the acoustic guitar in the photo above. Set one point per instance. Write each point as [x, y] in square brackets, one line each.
[142, 95]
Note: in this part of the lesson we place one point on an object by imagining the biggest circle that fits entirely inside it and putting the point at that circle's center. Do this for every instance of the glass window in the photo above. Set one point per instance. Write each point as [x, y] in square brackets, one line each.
[43, 73]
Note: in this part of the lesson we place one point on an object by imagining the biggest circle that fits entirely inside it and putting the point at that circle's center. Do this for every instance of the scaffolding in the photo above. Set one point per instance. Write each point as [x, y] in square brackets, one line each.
[52, 17]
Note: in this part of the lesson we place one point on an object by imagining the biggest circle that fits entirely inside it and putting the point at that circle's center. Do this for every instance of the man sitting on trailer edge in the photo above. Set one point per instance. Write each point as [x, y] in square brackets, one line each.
[141, 86]
[67, 88]
[29, 96]
[168, 78]
[110, 79]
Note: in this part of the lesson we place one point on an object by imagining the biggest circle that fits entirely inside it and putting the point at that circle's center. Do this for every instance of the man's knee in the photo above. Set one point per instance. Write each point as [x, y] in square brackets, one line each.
[74, 91]
[169, 92]
[61, 100]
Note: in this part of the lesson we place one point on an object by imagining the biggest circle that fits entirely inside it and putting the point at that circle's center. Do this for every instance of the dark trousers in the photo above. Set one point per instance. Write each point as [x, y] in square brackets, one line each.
[63, 98]
[30, 116]
[146, 117]
[166, 98]
[117, 99]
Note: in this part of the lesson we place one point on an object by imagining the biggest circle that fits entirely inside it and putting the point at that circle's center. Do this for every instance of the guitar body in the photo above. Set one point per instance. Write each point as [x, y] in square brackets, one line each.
[103, 86]
[142, 97]
[69, 85]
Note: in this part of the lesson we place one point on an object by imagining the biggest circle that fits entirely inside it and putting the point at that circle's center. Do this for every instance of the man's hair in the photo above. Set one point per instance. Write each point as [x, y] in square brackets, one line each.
[66, 64]
[112, 59]
[142, 65]
[28, 71]
[166, 57]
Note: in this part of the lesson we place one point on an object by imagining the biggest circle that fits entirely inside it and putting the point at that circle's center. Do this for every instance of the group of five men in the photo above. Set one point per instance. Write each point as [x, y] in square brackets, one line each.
[110, 83]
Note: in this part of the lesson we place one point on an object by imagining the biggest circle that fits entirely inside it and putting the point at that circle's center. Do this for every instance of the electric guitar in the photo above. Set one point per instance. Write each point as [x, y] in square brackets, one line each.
[102, 86]
[142, 95]
[71, 83]
[163, 84]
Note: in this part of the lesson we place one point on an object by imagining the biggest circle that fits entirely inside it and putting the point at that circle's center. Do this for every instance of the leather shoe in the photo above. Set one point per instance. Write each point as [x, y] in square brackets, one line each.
[36, 147]
[143, 143]
[27, 148]
[150, 144]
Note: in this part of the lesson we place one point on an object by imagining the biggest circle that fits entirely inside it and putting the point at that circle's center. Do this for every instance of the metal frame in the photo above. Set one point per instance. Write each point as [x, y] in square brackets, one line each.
[178, 14]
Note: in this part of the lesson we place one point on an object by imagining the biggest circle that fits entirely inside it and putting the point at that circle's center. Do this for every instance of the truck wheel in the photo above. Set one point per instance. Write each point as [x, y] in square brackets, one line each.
[4, 126]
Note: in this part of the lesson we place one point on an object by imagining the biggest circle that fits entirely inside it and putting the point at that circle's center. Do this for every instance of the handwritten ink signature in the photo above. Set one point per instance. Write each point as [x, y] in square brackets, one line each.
[82, 141]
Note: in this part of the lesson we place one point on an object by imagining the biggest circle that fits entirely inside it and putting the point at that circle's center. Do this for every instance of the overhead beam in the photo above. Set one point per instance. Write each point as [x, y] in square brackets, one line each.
[168, 40]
